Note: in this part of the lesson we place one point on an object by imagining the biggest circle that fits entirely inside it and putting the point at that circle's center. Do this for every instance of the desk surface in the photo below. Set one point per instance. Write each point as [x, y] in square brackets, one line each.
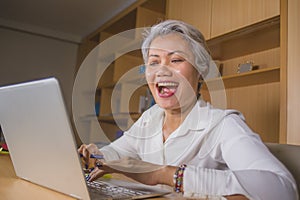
[12, 187]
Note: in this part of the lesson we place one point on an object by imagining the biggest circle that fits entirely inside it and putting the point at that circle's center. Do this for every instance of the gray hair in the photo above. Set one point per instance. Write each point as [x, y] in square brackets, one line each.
[193, 36]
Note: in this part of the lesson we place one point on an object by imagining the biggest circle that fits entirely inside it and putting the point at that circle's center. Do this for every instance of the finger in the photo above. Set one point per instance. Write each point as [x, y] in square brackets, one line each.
[87, 171]
[80, 152]
[85, 155]
[80, 149]
[95, 174]
[92, 148]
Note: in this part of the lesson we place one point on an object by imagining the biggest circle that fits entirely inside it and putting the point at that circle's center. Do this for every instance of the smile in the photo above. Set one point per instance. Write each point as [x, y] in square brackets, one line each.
[166, 88]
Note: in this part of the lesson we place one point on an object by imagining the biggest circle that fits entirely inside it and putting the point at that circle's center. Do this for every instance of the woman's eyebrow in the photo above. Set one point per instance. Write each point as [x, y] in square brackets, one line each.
[176, 52]
[179, 52]
[154, 55]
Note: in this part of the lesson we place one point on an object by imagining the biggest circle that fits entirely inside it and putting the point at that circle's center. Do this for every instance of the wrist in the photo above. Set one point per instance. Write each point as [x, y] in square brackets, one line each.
[166, 174]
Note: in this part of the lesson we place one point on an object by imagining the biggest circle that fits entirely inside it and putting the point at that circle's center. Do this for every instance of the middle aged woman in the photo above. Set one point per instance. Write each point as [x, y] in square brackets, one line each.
[183, 141]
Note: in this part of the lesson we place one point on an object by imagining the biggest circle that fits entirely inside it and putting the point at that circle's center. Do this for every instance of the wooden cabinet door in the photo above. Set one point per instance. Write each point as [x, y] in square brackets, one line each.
[229, 15]
[195, 12]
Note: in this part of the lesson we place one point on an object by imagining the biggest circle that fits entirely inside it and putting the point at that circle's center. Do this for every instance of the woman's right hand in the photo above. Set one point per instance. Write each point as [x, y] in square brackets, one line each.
[85, 151]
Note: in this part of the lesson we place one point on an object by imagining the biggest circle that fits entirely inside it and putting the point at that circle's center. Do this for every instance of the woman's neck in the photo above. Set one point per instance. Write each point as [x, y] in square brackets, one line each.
[174, 118]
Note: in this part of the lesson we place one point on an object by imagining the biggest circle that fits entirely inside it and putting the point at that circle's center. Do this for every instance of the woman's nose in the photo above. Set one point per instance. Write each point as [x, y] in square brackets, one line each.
[163, 70]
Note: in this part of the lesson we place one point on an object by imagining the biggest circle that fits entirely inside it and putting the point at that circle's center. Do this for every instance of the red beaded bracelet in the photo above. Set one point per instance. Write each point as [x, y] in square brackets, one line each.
[178, 178]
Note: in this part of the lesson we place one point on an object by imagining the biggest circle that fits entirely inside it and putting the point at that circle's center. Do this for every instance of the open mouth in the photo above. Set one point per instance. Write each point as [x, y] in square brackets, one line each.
[167, 88]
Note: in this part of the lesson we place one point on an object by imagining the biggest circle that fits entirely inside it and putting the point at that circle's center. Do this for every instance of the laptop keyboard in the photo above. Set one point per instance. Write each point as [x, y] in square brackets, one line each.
[102, 190]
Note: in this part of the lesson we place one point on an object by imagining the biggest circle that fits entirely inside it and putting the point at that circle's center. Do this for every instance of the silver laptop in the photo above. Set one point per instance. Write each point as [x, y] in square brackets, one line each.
[42, 147]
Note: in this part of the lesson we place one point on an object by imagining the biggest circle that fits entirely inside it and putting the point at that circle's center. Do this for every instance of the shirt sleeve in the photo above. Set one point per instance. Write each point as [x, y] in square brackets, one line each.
[133, 139]
[253, 170]
[120, 148]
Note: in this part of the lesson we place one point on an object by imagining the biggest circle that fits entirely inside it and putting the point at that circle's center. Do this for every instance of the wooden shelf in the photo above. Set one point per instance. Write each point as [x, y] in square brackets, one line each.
[255, 77]
[254, 38]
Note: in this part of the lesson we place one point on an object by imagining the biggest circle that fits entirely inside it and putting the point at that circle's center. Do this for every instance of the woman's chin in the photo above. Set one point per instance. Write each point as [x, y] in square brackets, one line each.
[167, 103]
[173, 103]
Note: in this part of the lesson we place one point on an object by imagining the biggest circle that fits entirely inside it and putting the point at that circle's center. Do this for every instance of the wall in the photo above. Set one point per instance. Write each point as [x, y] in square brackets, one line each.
[25, 56]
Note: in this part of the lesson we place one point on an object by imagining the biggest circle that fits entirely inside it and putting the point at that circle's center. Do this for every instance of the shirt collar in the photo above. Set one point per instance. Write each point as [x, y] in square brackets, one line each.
[197, 120]
[199, 117]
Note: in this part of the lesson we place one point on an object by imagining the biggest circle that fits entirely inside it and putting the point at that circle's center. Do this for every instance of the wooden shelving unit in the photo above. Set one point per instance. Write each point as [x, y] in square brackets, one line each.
[236, 33]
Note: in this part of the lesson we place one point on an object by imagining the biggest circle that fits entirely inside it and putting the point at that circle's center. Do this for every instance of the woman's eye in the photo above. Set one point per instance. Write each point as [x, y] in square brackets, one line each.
[177, 60]
[154, 63]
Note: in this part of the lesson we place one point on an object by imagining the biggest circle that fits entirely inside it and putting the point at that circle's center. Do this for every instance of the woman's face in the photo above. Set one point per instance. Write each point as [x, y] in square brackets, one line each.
[171, 77]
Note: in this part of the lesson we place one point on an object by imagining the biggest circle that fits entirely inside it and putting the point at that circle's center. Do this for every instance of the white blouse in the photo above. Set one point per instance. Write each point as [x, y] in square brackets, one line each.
[222, 154]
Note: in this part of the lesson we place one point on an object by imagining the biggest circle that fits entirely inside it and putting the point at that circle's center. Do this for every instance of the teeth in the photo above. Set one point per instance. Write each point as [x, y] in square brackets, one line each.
[167, 84]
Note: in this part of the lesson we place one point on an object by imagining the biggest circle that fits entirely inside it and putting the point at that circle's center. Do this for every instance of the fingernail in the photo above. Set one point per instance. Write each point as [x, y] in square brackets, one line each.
[99, 165]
